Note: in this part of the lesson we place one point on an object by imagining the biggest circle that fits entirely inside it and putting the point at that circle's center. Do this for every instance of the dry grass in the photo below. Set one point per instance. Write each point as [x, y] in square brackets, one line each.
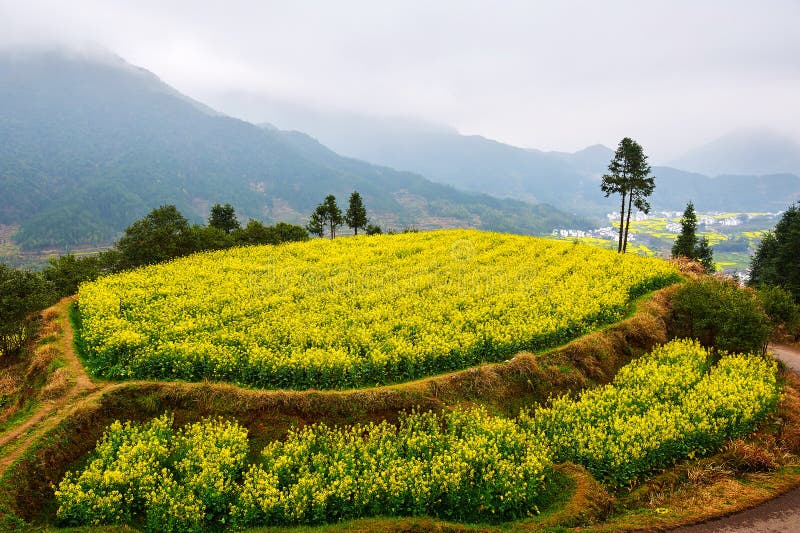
[41, 359]
[689, 268]
[57, 385]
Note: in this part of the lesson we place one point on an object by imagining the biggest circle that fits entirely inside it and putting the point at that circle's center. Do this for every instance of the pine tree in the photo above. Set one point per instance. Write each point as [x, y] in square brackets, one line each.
[628, 176]
[687, 239]
[688, 245]
[356, 216]
[777, 259]
[326, 214]
[705, 255]
[335, 218]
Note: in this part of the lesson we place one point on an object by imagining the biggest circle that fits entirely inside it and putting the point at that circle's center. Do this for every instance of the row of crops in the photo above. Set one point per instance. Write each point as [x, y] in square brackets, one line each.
[355, 312]
[463, 465]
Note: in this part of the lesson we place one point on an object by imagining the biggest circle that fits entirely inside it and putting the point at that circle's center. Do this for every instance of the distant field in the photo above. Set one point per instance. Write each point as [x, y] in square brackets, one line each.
[734, 237]
[355, 311]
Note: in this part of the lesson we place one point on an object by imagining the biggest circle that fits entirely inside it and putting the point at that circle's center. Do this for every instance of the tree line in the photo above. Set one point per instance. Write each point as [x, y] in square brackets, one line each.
[328, 217]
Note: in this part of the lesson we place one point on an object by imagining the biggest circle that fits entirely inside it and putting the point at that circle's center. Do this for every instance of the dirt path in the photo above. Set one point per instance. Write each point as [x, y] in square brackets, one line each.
[781, 514]
[14, 442]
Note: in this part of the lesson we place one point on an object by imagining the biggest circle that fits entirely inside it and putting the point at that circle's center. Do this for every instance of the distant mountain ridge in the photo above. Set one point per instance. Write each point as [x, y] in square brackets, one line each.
[89, 144]
[752, 151]
[569, 181]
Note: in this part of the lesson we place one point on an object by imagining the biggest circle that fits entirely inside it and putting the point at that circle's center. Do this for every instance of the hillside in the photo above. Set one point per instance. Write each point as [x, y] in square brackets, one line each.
[90, 143]
[568, 181]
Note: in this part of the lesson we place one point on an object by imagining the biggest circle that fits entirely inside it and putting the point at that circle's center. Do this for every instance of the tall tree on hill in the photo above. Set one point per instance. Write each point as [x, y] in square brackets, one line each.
[688, 245]
[326, 214]
[356, 216]
[224, 217]
[776, 262]
[628, 176]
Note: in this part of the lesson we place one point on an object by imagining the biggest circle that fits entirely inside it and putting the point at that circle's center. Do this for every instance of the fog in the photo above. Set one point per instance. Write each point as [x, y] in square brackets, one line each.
[550, 75]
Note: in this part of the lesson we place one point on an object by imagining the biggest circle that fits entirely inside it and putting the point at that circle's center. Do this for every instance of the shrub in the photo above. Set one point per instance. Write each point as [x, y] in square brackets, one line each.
[721, 315]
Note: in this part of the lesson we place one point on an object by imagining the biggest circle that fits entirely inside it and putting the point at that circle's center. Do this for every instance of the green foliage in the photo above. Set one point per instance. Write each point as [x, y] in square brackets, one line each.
[356, 216]
[776, 260]
[224, 217]
[688, 245]
[162, 235]
[206, 238]
[686, 241]
[373, 229]
[327, 214]
[662, 408]
[67, 272]
[21, 293]
[257, 233]
[628, 176]
[779, 306]
[705, 255]
[722, 315]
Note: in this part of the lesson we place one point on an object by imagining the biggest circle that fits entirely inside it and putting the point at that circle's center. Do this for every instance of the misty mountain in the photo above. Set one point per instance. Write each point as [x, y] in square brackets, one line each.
[753, 152]
[569, 181]
[90, 143]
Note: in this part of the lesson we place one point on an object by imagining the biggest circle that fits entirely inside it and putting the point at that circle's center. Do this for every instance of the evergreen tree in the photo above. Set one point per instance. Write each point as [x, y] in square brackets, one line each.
[777, 259]
[224, 217]
[705, 255]
[316, 224]
[356, 216]
[687, 239]
[327, 214]
[628, 176]
[688, 245]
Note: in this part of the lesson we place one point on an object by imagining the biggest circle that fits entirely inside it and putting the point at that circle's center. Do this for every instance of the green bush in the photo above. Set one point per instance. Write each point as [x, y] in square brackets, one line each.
[721, 315]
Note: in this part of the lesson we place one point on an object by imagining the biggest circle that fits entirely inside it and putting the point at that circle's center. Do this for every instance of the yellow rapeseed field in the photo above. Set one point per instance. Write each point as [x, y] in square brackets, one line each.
[464, 464]
[355, 311]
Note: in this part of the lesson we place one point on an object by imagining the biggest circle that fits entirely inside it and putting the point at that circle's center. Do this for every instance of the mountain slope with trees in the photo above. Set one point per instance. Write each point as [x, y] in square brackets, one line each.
[89, 144]
[568, 181]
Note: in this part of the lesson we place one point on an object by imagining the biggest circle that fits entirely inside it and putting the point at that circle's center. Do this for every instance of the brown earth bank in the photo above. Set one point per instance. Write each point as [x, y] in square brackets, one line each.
[60, 433]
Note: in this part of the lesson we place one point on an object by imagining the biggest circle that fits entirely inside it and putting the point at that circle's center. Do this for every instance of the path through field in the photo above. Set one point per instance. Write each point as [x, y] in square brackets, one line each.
[779, 515]
[14, 442]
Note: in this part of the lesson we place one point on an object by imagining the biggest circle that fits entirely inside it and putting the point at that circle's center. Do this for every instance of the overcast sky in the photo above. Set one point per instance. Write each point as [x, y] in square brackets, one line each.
[551, 75]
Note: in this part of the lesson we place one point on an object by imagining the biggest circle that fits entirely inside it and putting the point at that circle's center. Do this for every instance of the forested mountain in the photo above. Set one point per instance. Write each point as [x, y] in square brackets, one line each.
[569, 181]
[90, 143]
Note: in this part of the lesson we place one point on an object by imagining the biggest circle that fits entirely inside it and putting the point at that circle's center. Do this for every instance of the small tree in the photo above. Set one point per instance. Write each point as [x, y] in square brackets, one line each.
[224, 217]
[356, 216]
[628, 176]
[326, 214]
[688, 245]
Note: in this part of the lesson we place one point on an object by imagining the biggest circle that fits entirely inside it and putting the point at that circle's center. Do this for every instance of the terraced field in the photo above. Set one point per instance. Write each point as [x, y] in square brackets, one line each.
[357, 311]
